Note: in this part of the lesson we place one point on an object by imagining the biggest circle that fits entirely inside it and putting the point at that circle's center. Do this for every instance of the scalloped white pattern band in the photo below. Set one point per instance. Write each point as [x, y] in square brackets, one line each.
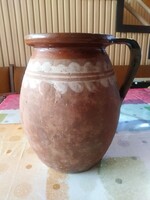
[51, 66]
[91, 75]
[62, 86]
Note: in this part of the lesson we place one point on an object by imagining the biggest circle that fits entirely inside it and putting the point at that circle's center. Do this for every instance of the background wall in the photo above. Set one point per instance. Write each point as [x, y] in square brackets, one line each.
[139, 9]
[21, 17]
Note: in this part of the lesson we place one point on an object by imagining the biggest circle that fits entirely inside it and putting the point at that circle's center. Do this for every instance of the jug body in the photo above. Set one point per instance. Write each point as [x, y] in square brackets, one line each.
[70, 101]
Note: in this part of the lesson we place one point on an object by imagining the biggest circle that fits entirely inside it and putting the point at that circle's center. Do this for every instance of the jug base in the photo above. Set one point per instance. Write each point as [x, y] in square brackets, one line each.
[96, 165]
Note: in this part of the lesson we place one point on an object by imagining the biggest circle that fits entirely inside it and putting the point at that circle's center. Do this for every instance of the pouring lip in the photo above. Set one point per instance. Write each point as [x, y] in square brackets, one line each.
[68, 39]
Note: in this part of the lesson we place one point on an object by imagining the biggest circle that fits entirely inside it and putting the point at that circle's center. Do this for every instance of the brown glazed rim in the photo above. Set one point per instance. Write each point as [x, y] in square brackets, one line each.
[68, 39]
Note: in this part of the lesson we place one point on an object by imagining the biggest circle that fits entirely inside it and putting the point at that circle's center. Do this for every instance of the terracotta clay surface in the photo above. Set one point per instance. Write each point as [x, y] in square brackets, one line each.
[69, 102]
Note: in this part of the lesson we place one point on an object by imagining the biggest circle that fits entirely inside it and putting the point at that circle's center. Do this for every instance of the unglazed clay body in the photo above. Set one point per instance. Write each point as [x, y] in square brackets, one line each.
[70, 101]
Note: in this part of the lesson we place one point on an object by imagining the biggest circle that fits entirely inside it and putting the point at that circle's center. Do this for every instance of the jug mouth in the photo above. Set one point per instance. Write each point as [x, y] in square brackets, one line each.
[68, 40]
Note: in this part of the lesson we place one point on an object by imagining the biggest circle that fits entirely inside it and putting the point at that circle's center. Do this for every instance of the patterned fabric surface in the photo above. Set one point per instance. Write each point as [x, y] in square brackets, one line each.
[9, 110]
[123, 174]
[135, 111]
[10, 103]
[140, 95]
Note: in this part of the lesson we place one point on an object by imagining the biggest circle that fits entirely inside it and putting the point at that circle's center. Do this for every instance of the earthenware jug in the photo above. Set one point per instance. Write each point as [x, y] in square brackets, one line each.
[70, 101]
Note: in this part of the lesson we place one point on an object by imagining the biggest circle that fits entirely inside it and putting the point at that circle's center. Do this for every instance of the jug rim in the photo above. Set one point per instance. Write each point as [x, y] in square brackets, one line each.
[68, 39]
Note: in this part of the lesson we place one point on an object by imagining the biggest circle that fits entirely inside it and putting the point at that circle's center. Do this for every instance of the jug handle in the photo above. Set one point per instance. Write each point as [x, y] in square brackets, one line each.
[135, 57]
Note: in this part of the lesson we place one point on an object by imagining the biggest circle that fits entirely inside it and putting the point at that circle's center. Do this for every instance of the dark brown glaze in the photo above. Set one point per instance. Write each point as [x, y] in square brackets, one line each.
[68, 40]
[69, 103]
